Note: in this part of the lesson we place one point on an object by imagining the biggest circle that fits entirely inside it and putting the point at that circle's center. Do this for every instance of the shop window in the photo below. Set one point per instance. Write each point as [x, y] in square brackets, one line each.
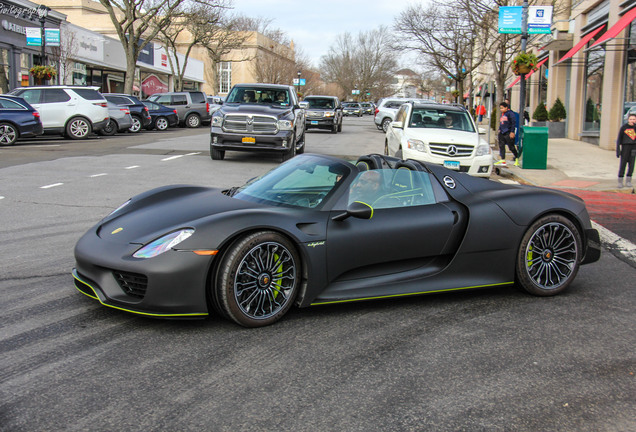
[594, 65]
[225, 76]
[79, 74]
[4, 70]
[630, 76]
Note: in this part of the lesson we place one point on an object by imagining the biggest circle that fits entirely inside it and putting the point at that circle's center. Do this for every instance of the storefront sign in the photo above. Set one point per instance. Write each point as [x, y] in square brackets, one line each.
[52, 37]
[32, 14]
[510, 19]
[152, 85]
[147, 55]
[539, 19]
[34, 36]
[13, 27]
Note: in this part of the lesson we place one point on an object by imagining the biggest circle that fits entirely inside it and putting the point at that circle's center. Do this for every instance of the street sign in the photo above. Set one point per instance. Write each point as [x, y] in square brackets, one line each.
[355, 92]
[299, 81]
[34, 36]
[52, 37]
[539, 19]
[510, 19]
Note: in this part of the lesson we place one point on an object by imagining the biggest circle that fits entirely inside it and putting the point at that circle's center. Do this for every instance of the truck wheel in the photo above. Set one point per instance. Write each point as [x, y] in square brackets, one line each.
[217, 154]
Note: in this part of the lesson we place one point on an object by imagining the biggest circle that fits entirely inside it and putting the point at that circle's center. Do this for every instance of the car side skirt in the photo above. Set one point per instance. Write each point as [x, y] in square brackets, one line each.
[87, 289]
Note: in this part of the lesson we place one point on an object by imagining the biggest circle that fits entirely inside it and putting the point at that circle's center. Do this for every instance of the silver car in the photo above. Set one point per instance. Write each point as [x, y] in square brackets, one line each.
[120, 120]
[385, 113]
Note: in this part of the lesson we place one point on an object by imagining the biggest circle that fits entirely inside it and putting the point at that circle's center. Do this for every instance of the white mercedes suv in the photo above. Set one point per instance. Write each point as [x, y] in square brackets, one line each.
[441, 134]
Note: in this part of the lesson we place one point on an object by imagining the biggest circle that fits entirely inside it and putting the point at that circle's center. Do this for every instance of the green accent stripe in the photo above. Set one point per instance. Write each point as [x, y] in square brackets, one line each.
[410, 294]
[129, 310]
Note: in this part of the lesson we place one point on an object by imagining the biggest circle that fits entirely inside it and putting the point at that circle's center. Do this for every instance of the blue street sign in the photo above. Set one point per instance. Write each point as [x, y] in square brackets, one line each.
[510, 19]
[52, 37]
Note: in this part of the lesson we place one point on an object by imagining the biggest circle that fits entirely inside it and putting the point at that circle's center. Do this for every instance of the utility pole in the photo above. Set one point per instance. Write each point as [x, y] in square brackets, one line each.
[522, 82]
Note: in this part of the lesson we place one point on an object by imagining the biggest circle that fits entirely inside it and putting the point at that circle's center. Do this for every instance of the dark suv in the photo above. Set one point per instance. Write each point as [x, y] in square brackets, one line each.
[138, 111]
[257, 117]
[323, 112]
[192, 106]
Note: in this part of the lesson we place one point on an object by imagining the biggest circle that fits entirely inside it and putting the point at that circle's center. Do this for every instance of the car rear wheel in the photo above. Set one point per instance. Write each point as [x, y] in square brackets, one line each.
[217, 154]
[193, 121]
[549, 255]
[386, 147]
[161, 123]
[340, 126]
[258, 279]
[78, 128]
[110, 128]
[8, 134]
[136, 125]
[385, 124]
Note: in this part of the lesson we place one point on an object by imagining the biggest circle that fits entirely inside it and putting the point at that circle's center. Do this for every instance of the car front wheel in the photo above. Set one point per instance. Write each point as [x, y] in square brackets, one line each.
[217, 154]
[78, 128]
[549, 255]
[8, 134]
[258, 279]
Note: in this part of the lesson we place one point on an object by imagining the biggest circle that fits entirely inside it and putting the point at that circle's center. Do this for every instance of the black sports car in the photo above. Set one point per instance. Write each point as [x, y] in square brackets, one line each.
[319, 230]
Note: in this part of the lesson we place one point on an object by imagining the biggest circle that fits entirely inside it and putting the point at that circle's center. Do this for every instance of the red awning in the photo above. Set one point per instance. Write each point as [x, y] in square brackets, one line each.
[466, 95]
[576, 48]
[514, 82]
[541, 63]
[617, 28]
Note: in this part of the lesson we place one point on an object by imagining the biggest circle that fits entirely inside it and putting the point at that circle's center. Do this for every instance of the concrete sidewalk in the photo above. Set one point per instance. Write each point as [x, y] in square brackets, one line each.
[571, 164]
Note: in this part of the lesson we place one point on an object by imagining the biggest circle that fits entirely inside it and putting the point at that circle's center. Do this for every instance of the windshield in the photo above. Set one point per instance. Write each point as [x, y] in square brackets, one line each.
[320, 103]
[304, 181]
[256, 95]
[440, 119]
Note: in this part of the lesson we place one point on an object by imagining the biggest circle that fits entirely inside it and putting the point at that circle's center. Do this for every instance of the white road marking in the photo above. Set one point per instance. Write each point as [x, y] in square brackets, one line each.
[132, 167]
[1, 197]
[98, 175]
[171, 158]
[613, 241]
[193, 154]
[51, 186]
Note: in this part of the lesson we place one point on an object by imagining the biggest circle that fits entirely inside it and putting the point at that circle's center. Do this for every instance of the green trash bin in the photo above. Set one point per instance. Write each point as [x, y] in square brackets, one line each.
[535, 147]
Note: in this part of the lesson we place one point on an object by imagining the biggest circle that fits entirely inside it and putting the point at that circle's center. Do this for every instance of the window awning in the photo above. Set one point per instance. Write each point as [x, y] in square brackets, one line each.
[576, 48]
[617, 28]
[541, 63]
[512, 84]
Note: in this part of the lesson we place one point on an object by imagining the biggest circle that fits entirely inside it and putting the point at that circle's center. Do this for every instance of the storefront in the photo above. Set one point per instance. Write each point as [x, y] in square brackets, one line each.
[16, 57]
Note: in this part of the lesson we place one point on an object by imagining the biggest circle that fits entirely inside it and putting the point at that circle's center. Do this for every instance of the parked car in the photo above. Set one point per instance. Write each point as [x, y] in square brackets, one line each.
[367, 107]
[120, 119]
[215, 103]
[385, 112]
[162, 116]
[138, 111]
[323, 112]
[319, 230]
[192, 106]
[74, 111]
[259, 117]
[18, 119]
[351, 108]
[441, 134]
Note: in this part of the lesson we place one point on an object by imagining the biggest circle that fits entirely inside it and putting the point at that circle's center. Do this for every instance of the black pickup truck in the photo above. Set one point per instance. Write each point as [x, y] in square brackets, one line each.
[259, 117]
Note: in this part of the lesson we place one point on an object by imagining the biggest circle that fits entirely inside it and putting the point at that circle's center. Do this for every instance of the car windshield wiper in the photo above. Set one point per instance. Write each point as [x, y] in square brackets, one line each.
[231, 191]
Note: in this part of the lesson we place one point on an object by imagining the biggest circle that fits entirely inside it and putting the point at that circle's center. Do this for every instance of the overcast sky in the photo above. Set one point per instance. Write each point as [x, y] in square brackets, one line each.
[314, 25]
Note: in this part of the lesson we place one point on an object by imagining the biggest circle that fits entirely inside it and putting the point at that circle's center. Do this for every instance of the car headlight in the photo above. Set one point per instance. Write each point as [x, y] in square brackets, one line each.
[329, 114]
[416, 145]
[285, 125]
[163, 244]
[482, 150]
[217, 121]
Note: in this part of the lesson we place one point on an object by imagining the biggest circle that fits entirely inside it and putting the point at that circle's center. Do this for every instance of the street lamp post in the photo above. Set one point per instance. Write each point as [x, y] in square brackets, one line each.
[43, 12]
[298, 84]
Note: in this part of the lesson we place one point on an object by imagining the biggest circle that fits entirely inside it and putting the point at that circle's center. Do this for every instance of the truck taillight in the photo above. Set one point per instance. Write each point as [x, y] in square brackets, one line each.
[207, 107]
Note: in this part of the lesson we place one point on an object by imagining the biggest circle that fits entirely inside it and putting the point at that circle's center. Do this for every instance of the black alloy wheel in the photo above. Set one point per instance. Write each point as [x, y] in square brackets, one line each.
[110, 128]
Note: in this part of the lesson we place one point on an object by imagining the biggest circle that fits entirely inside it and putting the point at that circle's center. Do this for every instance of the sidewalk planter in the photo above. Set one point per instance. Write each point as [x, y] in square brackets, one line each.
[556, 129]
[535, 147]
[539, 124]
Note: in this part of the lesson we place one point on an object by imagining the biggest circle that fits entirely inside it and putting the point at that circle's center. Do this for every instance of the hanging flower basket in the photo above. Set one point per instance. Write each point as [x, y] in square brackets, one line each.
[523, 63]
[43, 72]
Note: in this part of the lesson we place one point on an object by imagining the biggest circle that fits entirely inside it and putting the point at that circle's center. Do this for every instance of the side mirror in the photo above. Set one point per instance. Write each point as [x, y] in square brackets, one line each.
[304, 105]
[397, 125]
[481, 130]
[357, 209]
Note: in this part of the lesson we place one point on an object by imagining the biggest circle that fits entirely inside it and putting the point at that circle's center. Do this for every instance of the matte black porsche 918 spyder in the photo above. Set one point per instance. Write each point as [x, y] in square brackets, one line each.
[319, 230]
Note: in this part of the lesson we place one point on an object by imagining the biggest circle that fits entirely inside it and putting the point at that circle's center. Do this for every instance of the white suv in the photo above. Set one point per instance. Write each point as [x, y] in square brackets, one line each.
[441, 134]
[73, 111]
[386, 110]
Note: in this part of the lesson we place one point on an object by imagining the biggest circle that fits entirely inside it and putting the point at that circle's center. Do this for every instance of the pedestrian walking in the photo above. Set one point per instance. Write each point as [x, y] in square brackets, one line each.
[481, 111]
[506, 137]
[626, 150]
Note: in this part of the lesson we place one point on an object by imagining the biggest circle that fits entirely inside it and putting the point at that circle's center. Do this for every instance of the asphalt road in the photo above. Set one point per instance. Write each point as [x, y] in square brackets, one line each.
[495, 360]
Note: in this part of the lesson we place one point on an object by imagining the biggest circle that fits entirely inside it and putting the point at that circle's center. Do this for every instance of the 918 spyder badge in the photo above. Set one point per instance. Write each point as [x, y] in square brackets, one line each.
[117, 230]
[314, 244]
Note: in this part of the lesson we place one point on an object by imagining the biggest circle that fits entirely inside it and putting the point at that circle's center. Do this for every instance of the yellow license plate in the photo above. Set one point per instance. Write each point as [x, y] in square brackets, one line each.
[249, 140]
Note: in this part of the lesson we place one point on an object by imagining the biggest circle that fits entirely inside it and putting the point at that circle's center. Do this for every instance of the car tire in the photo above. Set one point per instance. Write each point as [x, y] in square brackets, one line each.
[340, 126]
[334, 129]
[291, 152]
[379, 127]
[193, 121]
[301, 145]
[161, 123]
[258, 279]
[549, 255]
[386, 147]
[136, 125]
[217, 154]
[110, 129]
[385, 124]
[8, 134]
[78, 128]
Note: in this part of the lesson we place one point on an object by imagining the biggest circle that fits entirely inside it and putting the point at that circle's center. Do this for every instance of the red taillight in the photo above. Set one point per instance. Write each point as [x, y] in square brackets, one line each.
[101, 104]
[175, 111]
[125, 110]
[146, 109]
[376, 112]
[207, 107]
[36, 114]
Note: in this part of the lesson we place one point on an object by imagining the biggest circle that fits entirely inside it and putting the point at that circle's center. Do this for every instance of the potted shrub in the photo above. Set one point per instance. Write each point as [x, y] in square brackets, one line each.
[556, 127]
[540, 115]
[523, 63]
[42, 72]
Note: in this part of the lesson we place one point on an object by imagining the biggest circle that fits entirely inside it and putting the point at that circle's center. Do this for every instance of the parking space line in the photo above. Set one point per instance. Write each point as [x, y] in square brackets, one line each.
[193, 154]
[1, 197]
[132, 167]
[171, 158]
[98, 175]
[51, 186]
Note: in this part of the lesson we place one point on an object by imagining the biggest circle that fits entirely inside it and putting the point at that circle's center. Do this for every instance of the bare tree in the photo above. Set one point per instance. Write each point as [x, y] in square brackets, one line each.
[138, 22]
[64, 54]
[366, 62]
